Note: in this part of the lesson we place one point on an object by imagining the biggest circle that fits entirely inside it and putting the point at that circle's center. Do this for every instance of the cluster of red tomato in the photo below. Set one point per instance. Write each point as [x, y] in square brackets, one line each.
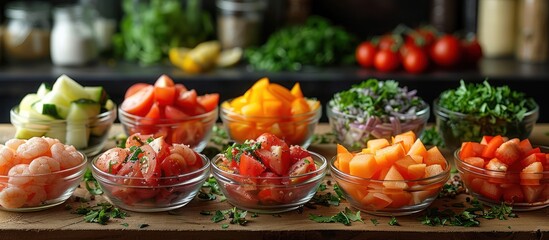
[416, 49]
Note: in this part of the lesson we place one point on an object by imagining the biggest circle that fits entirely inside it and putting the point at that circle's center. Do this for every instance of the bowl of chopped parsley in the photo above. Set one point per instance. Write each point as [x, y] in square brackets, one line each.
[375, 109]
[474, 110]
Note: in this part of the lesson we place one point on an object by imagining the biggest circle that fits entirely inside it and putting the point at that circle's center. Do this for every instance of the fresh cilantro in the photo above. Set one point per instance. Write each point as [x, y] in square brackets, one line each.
[235, 215]
[468, 217]
[452, 188]
[338, 191]
[219, 141]
[394, 222]
[218, 216]
[345, 217]
[430, 136]
[135, 151]
[210, 189]
[325, 138]
[322, 187]
[374, 221]
[324, 199]
[125, 224]
[94, 188]
[100, 213]
[234, 151]
[120, 140]
[225, 226]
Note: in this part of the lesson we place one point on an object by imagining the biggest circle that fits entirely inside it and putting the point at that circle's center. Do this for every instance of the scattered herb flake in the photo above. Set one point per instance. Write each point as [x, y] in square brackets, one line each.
[100, 213]
[394, 221]
[94, 189]
[345, 217]
[374, 221]
[125, 224]
[218, 216]
[430, 136]
[143, 225]
[225, 226]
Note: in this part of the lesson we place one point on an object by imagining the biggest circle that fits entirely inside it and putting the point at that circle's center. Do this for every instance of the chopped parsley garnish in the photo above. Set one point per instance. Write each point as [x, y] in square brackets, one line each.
[430, 136]
[235, 215]
[324, 199]
[135, 151]
[236, 150]
[394, 222]
[452, 188]
[89, 179]
[468, 217]
[210, 190]
[374, 221]
[345, 217]
[100, 213]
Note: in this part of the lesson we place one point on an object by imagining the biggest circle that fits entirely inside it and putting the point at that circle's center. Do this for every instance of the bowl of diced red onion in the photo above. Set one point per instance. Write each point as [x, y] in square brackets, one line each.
[360, 114]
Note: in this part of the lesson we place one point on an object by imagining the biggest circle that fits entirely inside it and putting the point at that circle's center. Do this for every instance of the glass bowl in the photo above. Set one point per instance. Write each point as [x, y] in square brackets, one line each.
[22, 191]
[372, 196]
[297, 129]
[134, 194]
[88, 136]
[494, 187]
[269, 194]
[354, 131]
[456, 127]
[194, 131]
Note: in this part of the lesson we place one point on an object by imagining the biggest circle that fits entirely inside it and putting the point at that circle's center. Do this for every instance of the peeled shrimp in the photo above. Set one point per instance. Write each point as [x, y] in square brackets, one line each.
[19, 175]
[36, 195]
[43, 165]
[13, 197]
[67, 155]
[7, 159]
[186, 152]
[51, 141]
[14, 143]
[32, 148]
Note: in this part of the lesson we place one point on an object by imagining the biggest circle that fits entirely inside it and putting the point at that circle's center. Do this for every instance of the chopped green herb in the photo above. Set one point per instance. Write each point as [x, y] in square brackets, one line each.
[345, 217]
[236, 150]
[394, 222]
[468, 217]
[325, 138]
[100, 213]
[322, 187]
[225, 226]
[218, 216]
[254, 215]
[125, 224]
[338, 191]
[209, 190]
[430, 136]
[452, 188]
[135, 151]
[95, 189]
[236, 216]
[374, 221]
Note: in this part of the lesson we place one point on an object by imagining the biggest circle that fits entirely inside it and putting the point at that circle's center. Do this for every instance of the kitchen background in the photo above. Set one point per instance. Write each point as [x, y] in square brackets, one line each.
[503, 21]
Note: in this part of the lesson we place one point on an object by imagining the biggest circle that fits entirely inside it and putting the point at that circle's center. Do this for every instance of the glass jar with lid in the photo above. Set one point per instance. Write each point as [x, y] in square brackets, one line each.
[72, 37]
[26, 36]
[239, 22]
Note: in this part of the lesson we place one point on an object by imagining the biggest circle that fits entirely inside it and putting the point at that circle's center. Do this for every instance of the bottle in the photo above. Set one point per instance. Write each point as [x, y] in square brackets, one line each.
[532, 31]
[72, 38]
[444, 15]
[239, 22]
[26, 36]
[496, 27]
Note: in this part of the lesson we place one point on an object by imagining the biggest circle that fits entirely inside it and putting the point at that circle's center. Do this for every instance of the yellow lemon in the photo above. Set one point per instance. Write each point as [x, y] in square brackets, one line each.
[229, 57]
[177, 54]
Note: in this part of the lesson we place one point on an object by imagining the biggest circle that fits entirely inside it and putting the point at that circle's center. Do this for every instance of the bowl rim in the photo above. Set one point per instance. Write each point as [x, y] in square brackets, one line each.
[445, 112]
[102, 117]
[488, 172]
[126, 118]
[319, 171]
[351, 178]
[426, 110]
[102, 175]
[78, 167]
[314, 114]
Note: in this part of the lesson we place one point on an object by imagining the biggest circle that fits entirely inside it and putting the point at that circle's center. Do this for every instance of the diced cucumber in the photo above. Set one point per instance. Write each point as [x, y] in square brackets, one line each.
[57, 131]
[69, 88]
[97, 94]
[27, 129]
[43, 89]
[80, 111]
[27, 101]
[61, 103]
[46, 109]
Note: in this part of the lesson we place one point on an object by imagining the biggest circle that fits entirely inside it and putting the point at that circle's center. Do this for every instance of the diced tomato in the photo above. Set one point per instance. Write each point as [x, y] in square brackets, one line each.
[241, 195]
[187, 102]
[172, 112]
[271, 196]
[297, 153]
[532, 192]
[490, 149]
[140, 102]
[137, 139]
[164, 90]
[249, 166]
[171, 167]
[268, 140]
[277, 159]
[149, 165]
[525, 146]
[486, 139]
[475, 161]
[268, 179]
[491, 191]
[471, 149]
[208, 101]
[531, 174]
[135, 88]
[111, 161]
[512, 193]
[161, 148]
[154, 113]
[301, 167]
[508, 152]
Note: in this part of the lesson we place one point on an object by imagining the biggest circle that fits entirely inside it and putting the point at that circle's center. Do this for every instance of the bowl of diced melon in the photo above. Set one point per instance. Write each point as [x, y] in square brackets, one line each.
[76, 115]
[391, 178]
[498, 169]
[271, 108]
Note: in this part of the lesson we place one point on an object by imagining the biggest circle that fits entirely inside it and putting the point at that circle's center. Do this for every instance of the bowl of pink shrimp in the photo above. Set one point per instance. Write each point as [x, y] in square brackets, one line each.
[38, 173]
[150, 175]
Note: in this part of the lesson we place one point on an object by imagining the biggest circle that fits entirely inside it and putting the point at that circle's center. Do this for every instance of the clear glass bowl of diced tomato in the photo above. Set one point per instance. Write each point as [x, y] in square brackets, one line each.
[150, 175]
[170, 110]
[498, 170]
[279, 179]
[391, 179]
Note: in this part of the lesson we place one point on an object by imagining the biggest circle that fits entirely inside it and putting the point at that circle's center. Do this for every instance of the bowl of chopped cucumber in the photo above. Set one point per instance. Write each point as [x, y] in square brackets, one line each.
[472, 111]
[375, 109]
[76, 115]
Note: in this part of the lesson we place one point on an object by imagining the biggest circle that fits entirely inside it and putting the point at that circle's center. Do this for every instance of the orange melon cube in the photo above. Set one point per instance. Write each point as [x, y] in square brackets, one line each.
[296, 91]
[433, 170]
[418, 149]
[417, 158]
[385, 157]
[416, 171]
[375, 144]
[407, 138]
[366, 150]
[273, 108]
[376, 201]
[343, 158]
[473, 183]
[400, 198]
[420, 196]
[402, 165]
[380, 175]
[434, 156]
[394, 180]
[363, 165]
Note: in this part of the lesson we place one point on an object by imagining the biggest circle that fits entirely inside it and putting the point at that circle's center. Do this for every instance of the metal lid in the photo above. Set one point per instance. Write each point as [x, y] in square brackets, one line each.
[32, 10]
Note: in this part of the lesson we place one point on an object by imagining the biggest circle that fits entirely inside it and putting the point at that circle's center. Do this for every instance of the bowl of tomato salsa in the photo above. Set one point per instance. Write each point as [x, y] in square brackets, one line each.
[499, 169]
[150, 175]
[170, 110]
[266, 175]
